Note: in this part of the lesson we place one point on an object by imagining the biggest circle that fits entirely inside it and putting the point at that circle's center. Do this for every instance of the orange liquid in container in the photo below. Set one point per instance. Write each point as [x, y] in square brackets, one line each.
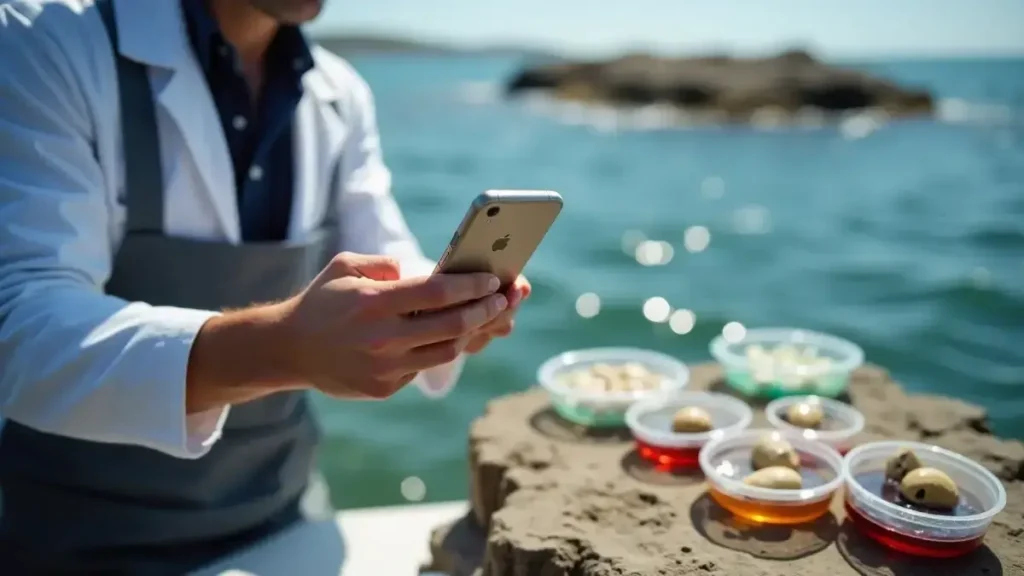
[769, 512]
[728, 461]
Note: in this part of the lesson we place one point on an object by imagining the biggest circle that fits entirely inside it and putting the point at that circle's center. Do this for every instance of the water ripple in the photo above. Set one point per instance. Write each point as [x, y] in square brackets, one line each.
[908, 241]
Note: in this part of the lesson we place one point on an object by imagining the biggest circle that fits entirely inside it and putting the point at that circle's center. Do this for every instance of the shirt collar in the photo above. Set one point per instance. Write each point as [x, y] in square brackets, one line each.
[289, 49]
[203, 30]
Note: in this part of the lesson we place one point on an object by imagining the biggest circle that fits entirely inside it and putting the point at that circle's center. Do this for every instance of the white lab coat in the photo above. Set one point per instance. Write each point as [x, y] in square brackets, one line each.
[74, 361]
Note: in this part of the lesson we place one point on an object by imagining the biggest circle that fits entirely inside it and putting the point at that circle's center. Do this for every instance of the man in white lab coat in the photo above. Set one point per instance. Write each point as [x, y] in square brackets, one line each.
[176, 180]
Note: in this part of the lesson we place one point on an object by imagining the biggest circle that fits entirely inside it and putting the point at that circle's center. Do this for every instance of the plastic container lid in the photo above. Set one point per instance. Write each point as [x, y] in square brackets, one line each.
[848, 421]
[845, 355]
[675, 375]
[772, 377]
[726, 461]
[651, 420]
[969, 476]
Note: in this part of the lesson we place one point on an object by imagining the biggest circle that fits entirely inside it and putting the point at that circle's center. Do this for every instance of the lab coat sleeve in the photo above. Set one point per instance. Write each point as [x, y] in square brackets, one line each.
[371, 220]
[73, 361]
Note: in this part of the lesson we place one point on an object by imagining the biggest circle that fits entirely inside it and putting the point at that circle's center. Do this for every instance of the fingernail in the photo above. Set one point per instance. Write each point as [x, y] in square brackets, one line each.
[493, 284]
[498, 303]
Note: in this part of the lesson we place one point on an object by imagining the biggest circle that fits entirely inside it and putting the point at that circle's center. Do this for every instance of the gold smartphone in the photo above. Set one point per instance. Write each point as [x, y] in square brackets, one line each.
[500, 232]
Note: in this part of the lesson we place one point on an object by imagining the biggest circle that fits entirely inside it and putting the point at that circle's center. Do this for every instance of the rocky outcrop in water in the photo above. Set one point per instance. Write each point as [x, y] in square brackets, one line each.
[548, 499]
[725, 89]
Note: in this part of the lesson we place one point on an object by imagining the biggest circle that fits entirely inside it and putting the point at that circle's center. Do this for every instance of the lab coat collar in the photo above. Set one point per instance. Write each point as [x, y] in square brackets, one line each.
[153, 32]
[319, 85]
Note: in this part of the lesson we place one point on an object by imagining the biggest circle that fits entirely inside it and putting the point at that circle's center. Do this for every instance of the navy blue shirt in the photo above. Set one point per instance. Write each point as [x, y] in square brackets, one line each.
[260, 137]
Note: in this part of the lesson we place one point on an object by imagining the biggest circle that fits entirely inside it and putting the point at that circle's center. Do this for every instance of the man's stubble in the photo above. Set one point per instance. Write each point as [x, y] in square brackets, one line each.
[293, 12]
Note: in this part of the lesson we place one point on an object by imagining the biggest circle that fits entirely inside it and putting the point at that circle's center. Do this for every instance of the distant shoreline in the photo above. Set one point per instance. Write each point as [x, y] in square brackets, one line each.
[373, 44]
[383, 43]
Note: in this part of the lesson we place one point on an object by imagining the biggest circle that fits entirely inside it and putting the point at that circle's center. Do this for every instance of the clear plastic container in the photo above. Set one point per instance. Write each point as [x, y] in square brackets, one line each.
[914, 531]
[606, 408]
[726, 461]
[841, 422]
[651, 424]
[771, 379]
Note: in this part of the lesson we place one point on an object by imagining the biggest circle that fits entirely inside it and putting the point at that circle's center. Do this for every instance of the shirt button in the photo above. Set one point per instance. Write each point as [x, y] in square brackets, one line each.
[223, 50]
[299, 64]
[239, 122]
[255, 173]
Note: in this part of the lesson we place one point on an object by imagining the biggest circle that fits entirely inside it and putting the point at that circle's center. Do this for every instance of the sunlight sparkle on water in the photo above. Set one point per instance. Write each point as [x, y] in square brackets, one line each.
[588, 305]
[862, 124]
[696, 239]
[733, 332]
[752, 219]
[657, 309]
[682, 321]
[654, 253]
[413, 489]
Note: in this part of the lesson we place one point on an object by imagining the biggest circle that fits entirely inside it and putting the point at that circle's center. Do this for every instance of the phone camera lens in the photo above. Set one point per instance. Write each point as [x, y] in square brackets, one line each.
[492, 212]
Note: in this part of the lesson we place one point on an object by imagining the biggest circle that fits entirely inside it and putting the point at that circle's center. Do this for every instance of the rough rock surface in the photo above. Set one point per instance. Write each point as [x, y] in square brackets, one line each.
[550, 500]
[721, 88]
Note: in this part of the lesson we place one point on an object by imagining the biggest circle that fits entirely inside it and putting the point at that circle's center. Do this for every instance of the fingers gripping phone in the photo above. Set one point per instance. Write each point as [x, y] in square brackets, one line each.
[500, 232]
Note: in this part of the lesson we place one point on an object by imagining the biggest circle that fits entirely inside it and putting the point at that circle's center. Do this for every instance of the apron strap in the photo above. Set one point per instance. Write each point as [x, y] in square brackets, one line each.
[143, 177]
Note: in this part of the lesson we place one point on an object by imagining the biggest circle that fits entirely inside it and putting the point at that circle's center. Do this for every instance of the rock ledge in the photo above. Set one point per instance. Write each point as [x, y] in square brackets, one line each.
[549, 500]
[791, 86]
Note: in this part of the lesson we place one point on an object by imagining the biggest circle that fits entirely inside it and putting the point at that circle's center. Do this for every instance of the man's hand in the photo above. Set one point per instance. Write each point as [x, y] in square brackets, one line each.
[502, 325]
[352, 334]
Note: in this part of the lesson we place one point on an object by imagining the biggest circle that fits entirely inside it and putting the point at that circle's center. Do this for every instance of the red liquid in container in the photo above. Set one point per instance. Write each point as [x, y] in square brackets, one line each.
[668, 459]
[910, 544]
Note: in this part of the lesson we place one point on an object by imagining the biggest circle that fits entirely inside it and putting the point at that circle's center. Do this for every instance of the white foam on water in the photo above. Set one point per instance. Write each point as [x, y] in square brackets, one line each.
[479, 92]
[853, 125]
[959, 111]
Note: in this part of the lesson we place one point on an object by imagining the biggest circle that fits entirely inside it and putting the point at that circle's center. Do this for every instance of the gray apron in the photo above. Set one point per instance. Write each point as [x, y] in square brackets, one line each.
[71, 506]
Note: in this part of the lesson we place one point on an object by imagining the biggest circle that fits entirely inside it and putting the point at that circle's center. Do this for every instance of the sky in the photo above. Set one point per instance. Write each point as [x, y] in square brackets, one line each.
[828, 27]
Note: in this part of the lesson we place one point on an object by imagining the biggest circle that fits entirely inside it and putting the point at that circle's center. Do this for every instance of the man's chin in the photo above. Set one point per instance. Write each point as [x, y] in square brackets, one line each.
[292, 12]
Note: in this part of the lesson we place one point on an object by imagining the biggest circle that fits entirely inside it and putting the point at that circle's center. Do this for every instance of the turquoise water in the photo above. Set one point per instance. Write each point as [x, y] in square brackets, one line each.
[909, 241]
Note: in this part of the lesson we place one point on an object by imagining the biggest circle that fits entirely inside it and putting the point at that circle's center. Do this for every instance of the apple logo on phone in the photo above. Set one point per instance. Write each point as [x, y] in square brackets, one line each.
[500, 244]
